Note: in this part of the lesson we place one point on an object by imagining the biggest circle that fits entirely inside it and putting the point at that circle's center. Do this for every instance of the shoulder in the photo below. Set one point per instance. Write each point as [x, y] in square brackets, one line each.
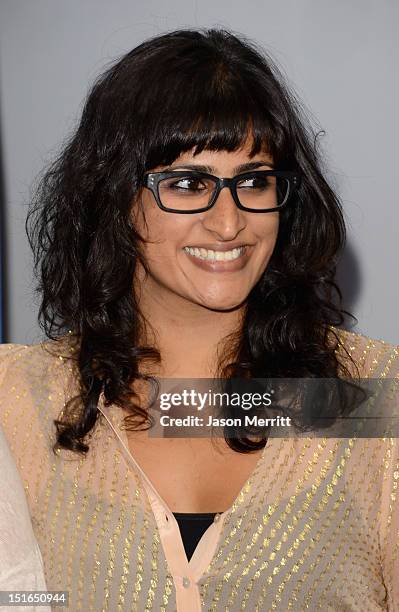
[15, 362]
[373, 357]
[22, 362]
[34, 380]
[9, 353]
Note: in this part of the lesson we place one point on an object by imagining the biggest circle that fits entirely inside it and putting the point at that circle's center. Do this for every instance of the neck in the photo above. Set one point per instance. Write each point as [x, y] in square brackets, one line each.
[188, 336]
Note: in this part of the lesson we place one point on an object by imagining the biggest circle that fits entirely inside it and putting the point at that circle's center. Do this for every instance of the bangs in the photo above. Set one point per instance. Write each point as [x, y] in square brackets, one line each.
[219, 115]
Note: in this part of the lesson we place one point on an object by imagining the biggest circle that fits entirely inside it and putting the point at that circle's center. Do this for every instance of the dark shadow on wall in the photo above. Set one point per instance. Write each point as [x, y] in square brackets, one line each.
[3, 253]
[349, 280]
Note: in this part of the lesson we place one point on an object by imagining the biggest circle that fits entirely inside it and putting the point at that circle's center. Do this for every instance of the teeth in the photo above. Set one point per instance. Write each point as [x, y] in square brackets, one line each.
[210, 255]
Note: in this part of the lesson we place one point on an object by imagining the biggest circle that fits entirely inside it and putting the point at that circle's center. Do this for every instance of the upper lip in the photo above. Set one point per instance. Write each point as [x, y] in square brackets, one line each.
[218, 246]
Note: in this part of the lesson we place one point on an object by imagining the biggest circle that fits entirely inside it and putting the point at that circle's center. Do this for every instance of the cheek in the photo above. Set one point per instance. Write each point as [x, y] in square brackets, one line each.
[266, 231]
[164, 233]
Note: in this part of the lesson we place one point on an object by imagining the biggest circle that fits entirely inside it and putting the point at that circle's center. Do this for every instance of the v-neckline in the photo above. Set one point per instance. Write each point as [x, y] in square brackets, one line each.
[110, 413]
[163, 514]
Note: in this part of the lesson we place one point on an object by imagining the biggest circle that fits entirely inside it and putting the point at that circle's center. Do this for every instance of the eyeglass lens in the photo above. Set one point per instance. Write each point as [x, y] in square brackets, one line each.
[256, 192]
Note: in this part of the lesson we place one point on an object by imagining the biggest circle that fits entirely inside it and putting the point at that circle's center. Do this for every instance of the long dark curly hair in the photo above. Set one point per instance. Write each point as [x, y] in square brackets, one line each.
[185, 89]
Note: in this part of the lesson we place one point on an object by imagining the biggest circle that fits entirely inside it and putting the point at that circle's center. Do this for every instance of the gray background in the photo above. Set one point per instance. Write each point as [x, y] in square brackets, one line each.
[341, 57]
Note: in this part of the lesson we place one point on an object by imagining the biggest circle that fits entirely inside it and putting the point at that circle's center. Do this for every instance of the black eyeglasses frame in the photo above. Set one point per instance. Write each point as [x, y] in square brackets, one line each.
[151, 180]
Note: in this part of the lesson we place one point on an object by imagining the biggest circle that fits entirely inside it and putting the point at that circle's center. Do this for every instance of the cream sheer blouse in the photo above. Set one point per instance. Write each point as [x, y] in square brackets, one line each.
[316, 526]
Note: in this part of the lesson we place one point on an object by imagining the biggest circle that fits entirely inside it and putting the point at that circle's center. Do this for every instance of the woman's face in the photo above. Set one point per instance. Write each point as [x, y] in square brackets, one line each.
[213, 284]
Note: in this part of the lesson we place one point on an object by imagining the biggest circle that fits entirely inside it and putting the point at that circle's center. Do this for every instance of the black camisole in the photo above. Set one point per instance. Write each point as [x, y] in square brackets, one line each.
[192, 526]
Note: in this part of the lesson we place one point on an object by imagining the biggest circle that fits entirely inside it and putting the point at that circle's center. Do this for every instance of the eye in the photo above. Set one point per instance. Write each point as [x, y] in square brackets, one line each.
[187, 183]
[259, 182]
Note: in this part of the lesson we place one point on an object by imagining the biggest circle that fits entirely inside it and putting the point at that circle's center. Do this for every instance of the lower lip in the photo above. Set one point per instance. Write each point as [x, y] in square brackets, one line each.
[222, 266]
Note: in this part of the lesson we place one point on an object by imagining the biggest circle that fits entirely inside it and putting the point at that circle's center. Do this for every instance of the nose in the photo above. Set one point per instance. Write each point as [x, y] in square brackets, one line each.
[224, 219]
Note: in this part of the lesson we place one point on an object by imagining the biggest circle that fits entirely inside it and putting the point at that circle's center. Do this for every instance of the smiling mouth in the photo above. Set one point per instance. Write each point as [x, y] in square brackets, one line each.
[211, 255]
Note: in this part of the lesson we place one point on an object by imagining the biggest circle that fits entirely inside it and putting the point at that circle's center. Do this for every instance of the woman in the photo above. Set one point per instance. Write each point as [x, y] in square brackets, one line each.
[187, 231]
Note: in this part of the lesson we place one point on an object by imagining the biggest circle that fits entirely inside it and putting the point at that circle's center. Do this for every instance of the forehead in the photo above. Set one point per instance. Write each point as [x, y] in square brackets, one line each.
[224, 158]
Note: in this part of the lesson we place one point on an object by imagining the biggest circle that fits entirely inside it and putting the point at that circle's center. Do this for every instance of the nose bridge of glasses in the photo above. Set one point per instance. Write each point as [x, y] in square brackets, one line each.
[221, 183]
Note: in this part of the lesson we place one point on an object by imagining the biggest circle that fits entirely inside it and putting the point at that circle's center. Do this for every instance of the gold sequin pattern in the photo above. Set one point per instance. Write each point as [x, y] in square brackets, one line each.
[315, 527]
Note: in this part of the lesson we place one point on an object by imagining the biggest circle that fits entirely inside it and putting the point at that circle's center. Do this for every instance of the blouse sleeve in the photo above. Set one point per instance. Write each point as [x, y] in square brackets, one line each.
[378, 359]
[21, 564]
[390, 523]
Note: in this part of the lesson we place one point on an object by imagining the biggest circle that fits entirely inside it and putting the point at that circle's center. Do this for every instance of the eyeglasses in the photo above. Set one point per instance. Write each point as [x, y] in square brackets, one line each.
[258, 191]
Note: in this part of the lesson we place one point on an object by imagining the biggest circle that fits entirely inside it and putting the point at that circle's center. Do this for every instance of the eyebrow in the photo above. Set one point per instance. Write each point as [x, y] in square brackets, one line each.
[211, 169]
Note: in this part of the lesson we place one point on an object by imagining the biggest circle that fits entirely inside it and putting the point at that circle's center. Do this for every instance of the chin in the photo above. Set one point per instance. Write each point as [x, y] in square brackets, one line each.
[222, 305]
